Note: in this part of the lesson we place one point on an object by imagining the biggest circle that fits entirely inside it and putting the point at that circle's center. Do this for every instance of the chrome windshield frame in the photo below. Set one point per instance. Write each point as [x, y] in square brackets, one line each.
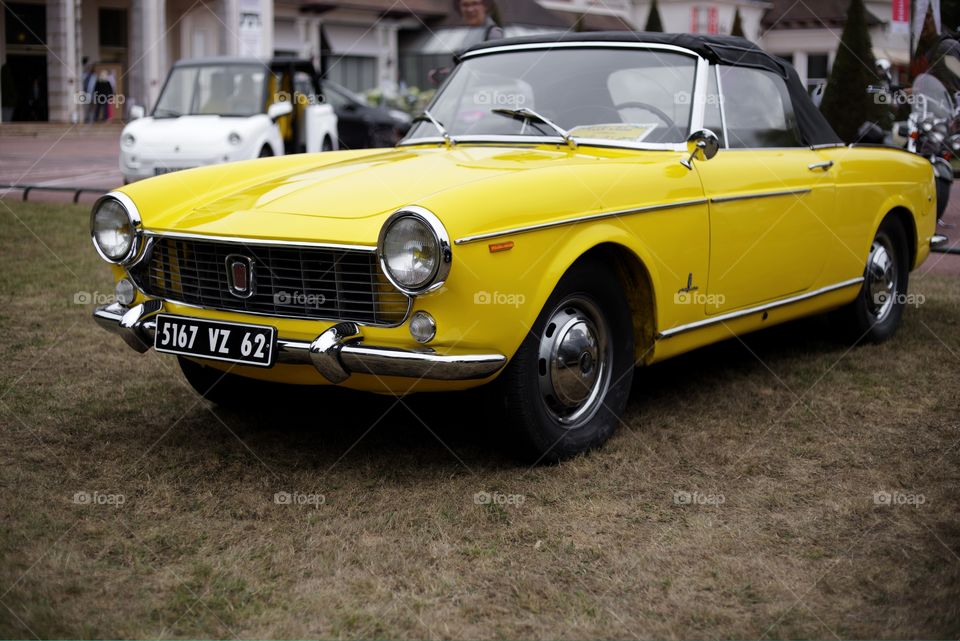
[698, 100]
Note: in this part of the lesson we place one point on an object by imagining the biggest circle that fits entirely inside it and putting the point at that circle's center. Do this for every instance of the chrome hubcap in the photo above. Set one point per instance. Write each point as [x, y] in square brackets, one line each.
[574, 361]
[881, 281]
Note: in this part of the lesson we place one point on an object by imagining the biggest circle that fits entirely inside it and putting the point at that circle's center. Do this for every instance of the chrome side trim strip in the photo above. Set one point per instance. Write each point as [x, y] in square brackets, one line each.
[257, 242]
[579, 219]
[680, 329]
[768, 194]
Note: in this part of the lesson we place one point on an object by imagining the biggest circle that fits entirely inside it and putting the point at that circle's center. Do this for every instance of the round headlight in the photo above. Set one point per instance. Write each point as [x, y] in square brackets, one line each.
[415, 251]
[234, 138]
[128, 140]
[114, 226]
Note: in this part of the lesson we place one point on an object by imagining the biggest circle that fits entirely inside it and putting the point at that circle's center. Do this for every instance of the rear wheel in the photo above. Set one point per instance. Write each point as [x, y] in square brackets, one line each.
[876, 313]
[327, 145]
[567, 386]
[266, 152]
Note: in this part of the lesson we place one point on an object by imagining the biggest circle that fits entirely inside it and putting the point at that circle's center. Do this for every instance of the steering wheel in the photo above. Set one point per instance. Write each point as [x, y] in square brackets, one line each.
[632, 104]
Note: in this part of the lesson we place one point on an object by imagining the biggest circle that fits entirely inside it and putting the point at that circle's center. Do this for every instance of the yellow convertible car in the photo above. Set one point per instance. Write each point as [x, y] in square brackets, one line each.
[566, 210]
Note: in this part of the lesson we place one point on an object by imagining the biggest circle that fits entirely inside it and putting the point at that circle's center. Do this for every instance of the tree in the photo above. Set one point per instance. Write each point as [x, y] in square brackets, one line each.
[737, 29]
[653, 20]
[846, 102]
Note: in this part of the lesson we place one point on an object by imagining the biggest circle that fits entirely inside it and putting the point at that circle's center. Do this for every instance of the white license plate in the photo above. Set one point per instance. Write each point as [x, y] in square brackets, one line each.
[216, 340]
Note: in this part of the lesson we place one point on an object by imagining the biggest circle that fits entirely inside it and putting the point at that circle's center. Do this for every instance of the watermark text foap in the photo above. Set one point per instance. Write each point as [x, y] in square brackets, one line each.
[912, 300]
[299, 298]
[98, 498]
[499, 498]
[499, 99]
[93, 298]
[299, 498]
[684, 98]
[99, 99]
[896, 497]
[682, 497]
[700, 299]
[499, 298]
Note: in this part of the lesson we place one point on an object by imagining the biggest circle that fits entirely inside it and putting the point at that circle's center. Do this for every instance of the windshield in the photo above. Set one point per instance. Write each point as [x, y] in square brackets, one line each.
[618, 95]
[224, 90]
[932, 98]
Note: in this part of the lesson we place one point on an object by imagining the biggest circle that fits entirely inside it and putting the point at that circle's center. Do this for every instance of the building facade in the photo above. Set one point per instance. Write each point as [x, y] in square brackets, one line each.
[53, 51]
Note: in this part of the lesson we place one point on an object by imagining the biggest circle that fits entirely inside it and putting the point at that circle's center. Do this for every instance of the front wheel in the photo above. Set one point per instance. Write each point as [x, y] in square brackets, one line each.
[876, 313]
[567, 387]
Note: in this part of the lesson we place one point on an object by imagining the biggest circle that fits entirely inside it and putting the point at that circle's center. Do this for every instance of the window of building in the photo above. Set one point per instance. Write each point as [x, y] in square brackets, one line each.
[758, 109]
[357, 73]
[704, 20]
[25, 24]
[817, 71]
[113, 28]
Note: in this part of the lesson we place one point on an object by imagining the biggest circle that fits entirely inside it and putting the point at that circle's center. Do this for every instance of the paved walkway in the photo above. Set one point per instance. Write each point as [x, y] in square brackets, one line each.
[55, 155]
[88, 156]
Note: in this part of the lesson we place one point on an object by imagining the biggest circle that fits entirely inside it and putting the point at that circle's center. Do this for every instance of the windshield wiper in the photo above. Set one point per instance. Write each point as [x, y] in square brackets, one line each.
[170, 112]
[525, 114]
[426, 116]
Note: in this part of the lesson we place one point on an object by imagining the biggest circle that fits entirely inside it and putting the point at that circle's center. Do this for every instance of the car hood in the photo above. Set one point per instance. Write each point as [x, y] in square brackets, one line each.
[189, 132]
[345, 197]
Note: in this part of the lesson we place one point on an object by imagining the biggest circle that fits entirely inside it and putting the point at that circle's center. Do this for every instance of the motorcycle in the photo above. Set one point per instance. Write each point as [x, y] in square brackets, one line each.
[931, 132]
[930, 129]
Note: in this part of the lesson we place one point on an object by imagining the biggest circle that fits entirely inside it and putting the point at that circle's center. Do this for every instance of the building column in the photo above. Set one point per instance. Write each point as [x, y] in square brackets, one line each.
[388, 60]
[800, 64]
[3, 53]
[266, 15]
[62, 61]
[148, 51]
[313, 38]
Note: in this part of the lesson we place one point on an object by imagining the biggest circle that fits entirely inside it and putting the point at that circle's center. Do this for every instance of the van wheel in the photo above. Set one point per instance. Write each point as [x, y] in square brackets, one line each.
[875, 315]
[567, 386]
[266, 152]
[327, 145]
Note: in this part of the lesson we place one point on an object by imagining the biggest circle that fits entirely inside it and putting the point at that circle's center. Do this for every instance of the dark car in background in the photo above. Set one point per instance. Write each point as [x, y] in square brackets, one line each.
[361, 125]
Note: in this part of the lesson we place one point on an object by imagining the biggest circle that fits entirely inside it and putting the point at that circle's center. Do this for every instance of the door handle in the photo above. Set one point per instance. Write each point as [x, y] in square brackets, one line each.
[826, 165]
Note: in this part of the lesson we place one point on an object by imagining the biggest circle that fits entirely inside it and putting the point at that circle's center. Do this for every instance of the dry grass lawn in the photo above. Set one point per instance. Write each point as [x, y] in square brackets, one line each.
[780, 442]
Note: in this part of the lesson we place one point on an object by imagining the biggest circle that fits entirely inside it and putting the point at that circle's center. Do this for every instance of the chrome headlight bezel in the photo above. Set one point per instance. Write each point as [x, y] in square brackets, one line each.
[441, 239]
[135, 222]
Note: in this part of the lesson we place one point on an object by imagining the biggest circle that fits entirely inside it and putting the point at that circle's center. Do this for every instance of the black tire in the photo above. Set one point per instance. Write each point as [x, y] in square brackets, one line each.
[875, 315]
[229, 390]
[327, 145]
[266, 152]
[943, 195]
[546, 429]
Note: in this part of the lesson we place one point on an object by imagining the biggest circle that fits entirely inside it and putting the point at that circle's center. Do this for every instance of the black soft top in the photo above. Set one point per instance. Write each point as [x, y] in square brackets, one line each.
[720, 50]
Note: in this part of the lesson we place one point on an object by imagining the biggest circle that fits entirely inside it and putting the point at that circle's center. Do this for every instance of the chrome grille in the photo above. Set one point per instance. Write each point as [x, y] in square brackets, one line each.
[291, 282]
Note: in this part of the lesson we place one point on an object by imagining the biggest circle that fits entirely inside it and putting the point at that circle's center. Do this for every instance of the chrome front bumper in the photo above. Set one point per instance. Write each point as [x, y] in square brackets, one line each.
[337, 353]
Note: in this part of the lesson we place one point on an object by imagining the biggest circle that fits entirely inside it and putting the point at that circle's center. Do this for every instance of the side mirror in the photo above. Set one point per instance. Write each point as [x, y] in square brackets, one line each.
[279, 110]
[702, 145]
[137, 112]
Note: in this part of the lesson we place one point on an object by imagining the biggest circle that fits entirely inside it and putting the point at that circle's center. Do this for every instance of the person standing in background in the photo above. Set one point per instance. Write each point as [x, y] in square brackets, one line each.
[477, 16]
[102, 96]
[89, 82]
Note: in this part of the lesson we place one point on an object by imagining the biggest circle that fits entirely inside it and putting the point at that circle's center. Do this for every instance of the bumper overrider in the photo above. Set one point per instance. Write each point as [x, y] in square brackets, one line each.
[337, 353]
